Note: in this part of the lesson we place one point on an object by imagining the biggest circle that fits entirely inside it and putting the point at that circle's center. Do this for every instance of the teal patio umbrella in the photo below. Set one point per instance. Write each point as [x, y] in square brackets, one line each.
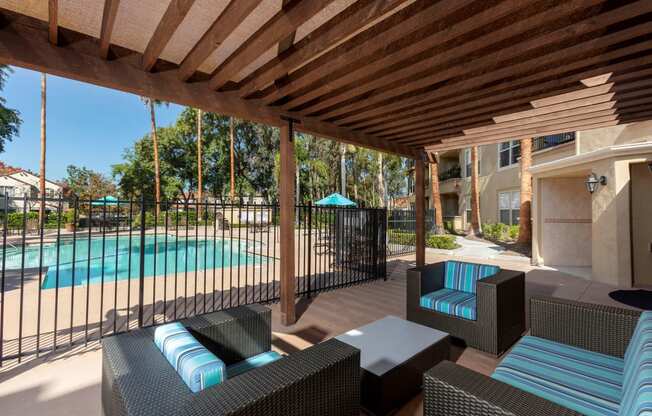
[108, 200]
[336, 200]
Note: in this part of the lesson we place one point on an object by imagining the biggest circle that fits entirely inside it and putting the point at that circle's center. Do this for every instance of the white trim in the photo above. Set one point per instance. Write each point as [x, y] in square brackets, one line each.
[599, 154]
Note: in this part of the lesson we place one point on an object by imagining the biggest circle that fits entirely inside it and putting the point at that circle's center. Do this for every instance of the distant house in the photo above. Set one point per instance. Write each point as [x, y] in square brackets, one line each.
[21, 184]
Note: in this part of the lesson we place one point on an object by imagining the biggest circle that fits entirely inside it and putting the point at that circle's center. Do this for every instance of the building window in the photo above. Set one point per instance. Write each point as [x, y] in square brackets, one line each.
[467, 205]
[468, 171]
[8, 190]
[508, 153]
[509, 204]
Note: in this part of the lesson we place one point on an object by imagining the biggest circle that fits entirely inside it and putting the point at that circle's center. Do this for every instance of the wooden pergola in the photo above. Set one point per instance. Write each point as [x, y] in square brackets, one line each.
[409, 77]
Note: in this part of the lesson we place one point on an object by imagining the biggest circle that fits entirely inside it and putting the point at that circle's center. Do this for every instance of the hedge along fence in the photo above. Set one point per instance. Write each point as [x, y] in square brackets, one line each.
[445, 242]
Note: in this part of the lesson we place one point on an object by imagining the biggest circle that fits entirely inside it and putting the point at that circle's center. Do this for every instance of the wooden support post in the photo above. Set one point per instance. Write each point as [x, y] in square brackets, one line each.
[420, 203]
[286, 202]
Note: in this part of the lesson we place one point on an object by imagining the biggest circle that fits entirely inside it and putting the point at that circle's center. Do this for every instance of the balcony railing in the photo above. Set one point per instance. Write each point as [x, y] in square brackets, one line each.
[546, 142]
[452, 173]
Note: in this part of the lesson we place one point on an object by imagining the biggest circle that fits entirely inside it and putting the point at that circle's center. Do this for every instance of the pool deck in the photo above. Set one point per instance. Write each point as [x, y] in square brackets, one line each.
[68, 383]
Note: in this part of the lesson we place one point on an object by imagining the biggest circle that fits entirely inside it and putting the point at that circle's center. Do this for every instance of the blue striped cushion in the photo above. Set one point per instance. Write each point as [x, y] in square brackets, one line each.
[585, 381]
[252, 362]
[198, 367]
[452, 302]
[637, 384]
[464, 276]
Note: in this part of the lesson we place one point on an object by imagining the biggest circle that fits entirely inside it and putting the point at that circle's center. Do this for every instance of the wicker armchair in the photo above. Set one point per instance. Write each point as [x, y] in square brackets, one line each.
[452, 390]
[137, 380]
[500, 306]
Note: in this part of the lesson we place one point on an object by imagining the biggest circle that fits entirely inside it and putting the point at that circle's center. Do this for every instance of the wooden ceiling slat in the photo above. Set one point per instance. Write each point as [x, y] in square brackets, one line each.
[602, 98]
[174, 15]
[448, 59]
[408, 24]
[554, 65]
[230, 18]
[330, 33]
[498, 61]
[620, 108]
[53, 21]
[356, 80]
[498, 99]
[574, 95]
[108, 22]
[276, 29]
[575, 127]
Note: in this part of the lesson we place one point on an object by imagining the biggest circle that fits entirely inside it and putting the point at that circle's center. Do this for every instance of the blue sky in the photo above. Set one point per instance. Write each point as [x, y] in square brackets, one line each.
[86, 125]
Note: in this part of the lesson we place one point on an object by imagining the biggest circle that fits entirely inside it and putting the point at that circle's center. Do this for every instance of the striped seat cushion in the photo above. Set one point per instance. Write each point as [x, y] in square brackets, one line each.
[198, 367]
[587, 382]
[637, 383]
[252, 362]
[464, 276]
[452, 302]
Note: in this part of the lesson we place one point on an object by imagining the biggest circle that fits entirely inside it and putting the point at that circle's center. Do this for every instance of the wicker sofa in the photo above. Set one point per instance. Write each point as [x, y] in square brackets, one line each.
[579, 359]
[484, 307]
[137, 380]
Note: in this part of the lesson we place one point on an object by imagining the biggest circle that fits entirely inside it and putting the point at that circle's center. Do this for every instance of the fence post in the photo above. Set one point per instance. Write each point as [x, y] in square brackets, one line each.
[141, 279]
[309, 248]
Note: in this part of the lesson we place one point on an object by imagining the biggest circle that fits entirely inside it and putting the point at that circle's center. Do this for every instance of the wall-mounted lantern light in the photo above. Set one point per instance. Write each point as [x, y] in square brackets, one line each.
[593, 181]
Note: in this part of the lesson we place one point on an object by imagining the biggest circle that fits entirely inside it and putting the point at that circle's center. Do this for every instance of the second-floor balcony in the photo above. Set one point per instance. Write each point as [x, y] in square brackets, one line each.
[547, 142]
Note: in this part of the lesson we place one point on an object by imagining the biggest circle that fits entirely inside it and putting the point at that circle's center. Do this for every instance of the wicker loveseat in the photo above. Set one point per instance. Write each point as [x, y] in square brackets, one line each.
[482, 305]
[580, 359]
[137, 380]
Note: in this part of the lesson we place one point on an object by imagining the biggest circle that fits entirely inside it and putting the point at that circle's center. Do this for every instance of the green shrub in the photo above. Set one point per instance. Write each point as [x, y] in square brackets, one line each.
[513, 232]
[496, 231]
[445, 242]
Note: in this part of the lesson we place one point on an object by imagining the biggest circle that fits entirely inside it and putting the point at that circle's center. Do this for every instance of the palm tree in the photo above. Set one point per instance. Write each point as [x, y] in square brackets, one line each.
[199, 164]
[232, 157]
[41, 210]
[436, 196]
[525, 210]
[343, 169]
[381, 181]
[476, 228]
[151, 103]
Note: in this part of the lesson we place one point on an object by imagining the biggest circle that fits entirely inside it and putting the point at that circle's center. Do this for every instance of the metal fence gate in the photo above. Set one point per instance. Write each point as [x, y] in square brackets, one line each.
[401, 230]
[95, 268]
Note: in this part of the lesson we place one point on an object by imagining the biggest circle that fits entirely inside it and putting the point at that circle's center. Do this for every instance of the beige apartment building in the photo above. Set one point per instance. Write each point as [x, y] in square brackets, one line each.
[604, 235]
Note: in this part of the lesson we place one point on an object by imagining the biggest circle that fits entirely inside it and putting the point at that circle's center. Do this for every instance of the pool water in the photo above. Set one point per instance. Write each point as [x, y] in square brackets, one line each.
[122, 261]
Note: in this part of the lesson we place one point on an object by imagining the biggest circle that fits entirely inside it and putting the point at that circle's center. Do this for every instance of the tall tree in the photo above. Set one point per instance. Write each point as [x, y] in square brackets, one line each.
[9, 118]
[381, 181]
[87, 184]
[436, 195]
[343, 169]
[41, 209]
[151, 103]
[525, 210]
[476, 227]
[232, 156]
[200, 172]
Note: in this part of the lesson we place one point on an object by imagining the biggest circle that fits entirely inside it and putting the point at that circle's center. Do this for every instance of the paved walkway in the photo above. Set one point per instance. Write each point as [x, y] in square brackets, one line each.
[480, 250]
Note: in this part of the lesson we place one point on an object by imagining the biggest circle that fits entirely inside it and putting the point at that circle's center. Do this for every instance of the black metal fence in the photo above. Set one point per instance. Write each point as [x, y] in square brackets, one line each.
[401, 230]
[98, 267]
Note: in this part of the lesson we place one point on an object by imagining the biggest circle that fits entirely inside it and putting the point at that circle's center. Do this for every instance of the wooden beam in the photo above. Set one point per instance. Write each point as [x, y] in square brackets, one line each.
[174, 15]
[286, 206]
[571, 96]
[493, 99]
[330, 33]
[420, 214]
[276, 29]
[222, 27]
[553, 65]
[602, 98]
[53, 21]
[23, 43]
[419, 18]
[108, 21]
[443, 58]
[500, 66]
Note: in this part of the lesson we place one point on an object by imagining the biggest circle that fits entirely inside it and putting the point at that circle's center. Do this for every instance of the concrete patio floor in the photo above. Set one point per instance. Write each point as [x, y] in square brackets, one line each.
[68, 383]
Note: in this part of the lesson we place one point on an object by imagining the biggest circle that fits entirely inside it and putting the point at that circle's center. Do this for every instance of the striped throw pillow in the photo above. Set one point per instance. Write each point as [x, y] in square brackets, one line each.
[464, 276]
[637, 382]
[198, 367]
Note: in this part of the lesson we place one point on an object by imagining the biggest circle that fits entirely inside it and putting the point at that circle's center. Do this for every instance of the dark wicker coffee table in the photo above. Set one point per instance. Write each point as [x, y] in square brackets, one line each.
[394, 355]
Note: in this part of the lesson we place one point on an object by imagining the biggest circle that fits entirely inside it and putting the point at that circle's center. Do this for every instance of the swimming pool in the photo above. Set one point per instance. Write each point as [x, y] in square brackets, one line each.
[121, 258]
